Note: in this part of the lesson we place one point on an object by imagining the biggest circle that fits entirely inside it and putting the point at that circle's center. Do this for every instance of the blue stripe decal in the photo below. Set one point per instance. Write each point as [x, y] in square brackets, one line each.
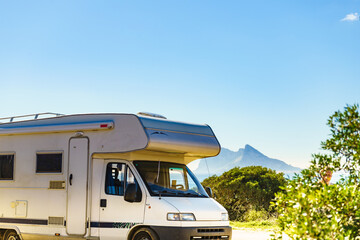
[121, 225]
[24, 221]
[112, 224]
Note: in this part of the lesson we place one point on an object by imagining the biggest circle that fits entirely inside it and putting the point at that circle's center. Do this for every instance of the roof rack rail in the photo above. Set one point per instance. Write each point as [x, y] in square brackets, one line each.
[29, 116]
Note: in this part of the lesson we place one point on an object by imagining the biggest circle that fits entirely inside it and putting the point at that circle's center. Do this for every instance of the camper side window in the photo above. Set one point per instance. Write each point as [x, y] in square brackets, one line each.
[48, 162]
[114, 182]
[7, 167]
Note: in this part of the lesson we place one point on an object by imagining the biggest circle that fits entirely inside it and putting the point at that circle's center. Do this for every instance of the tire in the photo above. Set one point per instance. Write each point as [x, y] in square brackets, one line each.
[2, 232]
[11, 235]
[145, 234]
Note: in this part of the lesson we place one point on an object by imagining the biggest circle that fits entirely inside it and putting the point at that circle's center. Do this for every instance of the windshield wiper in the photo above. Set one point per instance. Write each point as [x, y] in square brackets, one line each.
[167, 192]
[191, 194]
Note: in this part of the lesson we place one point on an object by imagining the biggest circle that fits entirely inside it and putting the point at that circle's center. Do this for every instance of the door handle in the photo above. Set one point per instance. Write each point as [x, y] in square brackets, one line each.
[103, 203]
[70, 179]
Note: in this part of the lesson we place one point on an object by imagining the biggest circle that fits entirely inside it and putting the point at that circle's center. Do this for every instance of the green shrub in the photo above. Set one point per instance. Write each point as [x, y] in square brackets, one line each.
[253, 215]
[310, 207]
[241, 190]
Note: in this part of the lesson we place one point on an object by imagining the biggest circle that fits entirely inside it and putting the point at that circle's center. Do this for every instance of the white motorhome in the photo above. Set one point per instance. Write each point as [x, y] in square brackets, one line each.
[106, 177]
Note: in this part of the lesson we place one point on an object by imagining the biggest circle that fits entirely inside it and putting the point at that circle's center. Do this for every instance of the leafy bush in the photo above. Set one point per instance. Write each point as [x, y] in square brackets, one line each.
[247, 191]
[312, 208]
[253, 215]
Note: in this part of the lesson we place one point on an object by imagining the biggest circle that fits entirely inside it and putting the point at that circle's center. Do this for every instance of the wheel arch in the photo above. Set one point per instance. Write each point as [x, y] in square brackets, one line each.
[14, 228]
[137, 227]
[10, 227]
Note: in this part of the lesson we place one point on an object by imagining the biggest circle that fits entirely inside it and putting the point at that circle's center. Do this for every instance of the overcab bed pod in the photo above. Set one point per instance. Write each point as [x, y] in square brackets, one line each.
[167, 140]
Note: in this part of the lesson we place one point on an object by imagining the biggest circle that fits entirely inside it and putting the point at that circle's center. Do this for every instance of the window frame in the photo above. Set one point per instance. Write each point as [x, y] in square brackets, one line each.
[14, 165]
[49, 152]
[127, 168]
[105, 182]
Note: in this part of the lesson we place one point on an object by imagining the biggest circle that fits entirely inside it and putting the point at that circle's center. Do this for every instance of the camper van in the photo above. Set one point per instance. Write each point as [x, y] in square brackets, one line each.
[105, 177]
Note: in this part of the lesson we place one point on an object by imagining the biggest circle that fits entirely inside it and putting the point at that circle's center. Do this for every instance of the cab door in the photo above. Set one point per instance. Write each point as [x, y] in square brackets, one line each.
[118, 216]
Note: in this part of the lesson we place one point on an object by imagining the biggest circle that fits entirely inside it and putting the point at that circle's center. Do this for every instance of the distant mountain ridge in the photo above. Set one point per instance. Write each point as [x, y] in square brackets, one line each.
[244, 157]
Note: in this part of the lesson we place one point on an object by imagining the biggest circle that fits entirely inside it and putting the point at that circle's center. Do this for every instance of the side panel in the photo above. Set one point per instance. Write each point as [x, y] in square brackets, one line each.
[77, 186]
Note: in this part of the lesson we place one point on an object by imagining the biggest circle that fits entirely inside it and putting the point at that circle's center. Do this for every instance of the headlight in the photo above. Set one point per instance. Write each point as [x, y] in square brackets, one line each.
[187, 217]
[180, 217]
[224, 217]
[173, 216]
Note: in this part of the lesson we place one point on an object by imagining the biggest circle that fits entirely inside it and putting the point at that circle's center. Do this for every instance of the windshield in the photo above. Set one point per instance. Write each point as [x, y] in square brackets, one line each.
[169, 179]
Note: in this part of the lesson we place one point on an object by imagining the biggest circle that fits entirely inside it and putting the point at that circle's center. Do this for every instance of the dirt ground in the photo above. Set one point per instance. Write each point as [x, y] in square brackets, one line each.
[245, 234]
[250, 235]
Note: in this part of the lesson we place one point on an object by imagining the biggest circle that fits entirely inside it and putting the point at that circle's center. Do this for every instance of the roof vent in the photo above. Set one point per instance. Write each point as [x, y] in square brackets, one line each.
[147, 114]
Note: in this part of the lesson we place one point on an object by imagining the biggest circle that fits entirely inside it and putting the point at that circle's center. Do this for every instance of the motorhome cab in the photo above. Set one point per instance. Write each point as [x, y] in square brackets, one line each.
[106, 177]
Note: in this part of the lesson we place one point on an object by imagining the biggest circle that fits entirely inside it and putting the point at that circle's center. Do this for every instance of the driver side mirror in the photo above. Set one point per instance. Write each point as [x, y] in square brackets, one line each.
[209, 192]
[133, 193]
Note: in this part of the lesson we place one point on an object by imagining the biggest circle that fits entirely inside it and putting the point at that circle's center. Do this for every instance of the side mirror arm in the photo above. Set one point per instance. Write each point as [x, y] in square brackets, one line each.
[209, 192]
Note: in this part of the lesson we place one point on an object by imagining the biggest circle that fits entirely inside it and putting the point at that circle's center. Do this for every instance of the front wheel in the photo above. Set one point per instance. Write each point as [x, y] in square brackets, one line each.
[11, 235]
[145, 234]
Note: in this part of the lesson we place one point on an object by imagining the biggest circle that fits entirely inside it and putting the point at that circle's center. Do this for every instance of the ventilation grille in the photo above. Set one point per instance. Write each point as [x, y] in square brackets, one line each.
[57, 185]
[56, 221]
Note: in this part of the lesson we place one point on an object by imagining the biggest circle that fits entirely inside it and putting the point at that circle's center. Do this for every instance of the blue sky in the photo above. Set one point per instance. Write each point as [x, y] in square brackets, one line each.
[264, 73]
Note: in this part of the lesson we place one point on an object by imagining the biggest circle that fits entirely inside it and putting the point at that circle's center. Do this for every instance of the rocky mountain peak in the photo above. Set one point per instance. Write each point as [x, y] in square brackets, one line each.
[227, 159]
[250, 150]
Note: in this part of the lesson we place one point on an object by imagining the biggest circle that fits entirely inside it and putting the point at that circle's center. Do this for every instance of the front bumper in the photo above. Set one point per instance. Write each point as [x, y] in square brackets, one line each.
[193, 233]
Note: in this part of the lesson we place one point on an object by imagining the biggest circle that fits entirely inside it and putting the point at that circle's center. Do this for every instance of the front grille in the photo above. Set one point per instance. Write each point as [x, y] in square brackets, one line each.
[210, 230]
[209, 237]
[210, 233]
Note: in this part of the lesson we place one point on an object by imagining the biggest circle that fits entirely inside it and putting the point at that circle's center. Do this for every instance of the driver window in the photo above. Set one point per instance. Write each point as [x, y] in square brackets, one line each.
[114, 182]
